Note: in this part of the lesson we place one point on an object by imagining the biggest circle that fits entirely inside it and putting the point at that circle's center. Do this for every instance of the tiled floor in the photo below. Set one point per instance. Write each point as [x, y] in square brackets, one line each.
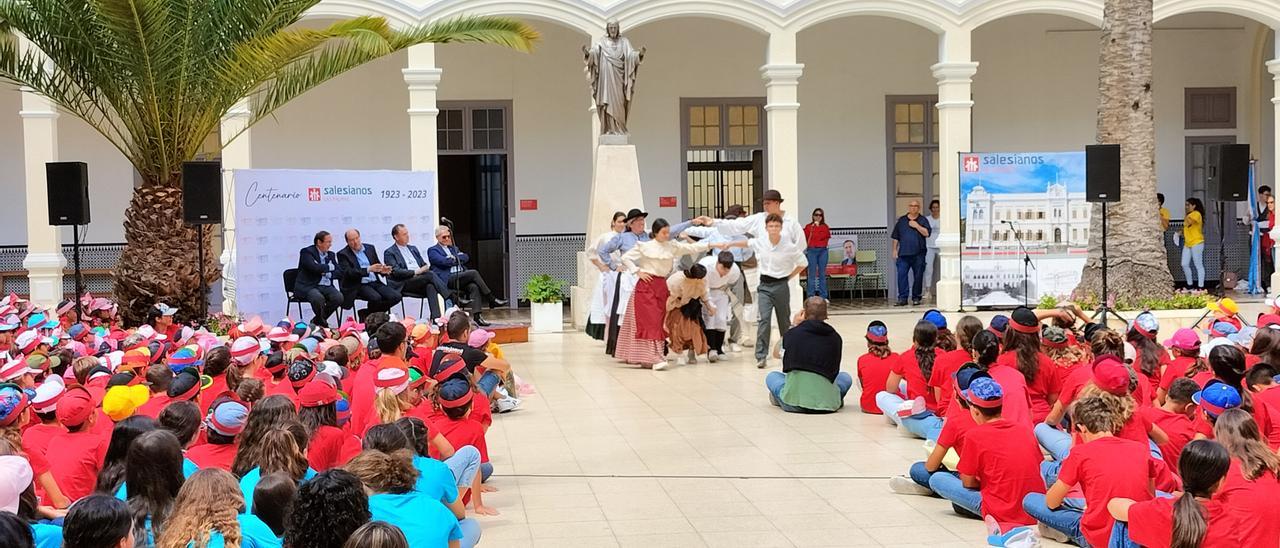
[610, 455]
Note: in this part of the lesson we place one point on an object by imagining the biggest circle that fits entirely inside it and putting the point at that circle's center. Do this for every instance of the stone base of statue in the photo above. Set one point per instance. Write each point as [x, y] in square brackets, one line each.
[615, 186]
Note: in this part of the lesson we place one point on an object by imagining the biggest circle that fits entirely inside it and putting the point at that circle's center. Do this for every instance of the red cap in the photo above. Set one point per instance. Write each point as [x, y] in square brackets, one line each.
[75, 407]
[316, 394]
[1110, 374]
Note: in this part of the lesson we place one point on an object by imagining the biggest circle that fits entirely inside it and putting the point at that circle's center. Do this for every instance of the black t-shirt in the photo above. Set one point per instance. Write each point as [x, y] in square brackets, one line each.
[470, 356]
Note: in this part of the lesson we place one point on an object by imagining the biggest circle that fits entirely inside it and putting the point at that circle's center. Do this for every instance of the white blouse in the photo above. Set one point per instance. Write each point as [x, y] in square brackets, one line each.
[658, 258]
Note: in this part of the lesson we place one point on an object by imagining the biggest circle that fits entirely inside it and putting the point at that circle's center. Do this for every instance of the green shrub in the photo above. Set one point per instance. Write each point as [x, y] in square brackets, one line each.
[542, 288]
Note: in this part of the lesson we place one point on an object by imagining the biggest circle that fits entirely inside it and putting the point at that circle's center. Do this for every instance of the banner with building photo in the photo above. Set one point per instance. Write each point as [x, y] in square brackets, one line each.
[1038, 196]
[279, 211]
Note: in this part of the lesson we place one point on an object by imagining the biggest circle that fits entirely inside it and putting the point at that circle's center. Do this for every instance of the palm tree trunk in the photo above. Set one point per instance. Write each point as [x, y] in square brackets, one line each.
[1137, 259]
[159, 261]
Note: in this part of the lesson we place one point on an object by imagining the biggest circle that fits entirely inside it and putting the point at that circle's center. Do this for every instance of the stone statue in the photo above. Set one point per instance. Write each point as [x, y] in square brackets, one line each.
[611, 69]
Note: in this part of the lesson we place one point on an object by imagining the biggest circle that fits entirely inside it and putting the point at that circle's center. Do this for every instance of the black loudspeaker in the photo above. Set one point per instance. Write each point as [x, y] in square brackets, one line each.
[202, 193]
[68, 184]
[1102, 173]
[1232, 176]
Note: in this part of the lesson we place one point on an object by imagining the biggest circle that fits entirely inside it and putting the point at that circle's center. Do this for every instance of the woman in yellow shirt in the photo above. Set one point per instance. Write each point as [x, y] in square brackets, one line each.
[1193, 242]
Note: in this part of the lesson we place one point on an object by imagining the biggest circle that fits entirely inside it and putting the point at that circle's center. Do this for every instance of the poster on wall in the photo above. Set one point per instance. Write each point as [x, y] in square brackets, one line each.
[279, 211]
[1011, 202]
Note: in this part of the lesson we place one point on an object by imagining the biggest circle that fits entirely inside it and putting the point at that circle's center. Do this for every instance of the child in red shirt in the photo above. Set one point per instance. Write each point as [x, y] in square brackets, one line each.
[1000, 464]
[1022, 352]
[1251, 489]
[1154, 523]
[1104, 467]
[874, 366]
[952, 435]
[1186, 362]
[455, 397]
[1266, 402]
[226, 420]
[940, 381]
[81, 451]
[1150, 358]
[916, 414]
[330, 446]
[1173, 417]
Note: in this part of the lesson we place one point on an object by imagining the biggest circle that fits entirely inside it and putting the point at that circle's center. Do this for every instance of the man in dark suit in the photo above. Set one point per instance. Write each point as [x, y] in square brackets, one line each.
[317, 270]
[410, 273]
[450, 264]
[360, 277]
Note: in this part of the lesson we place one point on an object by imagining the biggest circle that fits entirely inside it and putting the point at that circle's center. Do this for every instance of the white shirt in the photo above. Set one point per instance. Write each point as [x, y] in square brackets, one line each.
[934, 230]
[658, 258]
[716, 282]
[777, 261]
[409, 260]
[755, 225]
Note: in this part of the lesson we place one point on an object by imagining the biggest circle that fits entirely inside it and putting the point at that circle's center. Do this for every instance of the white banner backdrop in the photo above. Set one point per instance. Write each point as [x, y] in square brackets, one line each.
[279, 211]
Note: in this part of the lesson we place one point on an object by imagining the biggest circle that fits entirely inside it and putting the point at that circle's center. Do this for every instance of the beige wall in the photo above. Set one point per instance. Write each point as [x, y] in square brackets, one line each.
[13, 208]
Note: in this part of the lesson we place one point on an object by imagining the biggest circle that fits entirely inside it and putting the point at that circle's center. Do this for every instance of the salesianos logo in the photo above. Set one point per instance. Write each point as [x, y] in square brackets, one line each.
[971, 164]
[313, 194]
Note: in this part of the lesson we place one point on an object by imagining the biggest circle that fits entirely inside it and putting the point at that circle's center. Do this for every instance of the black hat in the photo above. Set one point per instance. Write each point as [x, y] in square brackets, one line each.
[772, 195]
[735, 210]
[634, 214]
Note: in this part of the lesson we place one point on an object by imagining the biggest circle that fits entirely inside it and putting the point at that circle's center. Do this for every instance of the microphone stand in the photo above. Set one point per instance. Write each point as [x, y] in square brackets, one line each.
[1026, 263]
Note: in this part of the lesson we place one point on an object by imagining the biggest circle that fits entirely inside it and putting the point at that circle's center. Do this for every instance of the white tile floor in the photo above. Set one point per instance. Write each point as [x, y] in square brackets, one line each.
[611, 455]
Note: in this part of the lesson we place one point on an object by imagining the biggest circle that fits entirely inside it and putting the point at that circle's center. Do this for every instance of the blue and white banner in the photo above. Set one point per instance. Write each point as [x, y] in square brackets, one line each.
[1011, 202]
[279, 211]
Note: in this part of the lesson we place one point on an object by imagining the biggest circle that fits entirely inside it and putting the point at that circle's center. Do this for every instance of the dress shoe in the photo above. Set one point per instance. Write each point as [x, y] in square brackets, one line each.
[480, 321]
[463, 302]
[495, 302]
[900, 303]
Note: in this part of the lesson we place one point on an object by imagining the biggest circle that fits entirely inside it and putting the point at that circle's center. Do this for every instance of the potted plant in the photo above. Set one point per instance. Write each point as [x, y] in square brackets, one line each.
[546, 299]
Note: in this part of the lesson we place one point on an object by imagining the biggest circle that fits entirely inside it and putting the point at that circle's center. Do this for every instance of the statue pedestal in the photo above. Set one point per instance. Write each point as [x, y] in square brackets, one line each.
[615, 186]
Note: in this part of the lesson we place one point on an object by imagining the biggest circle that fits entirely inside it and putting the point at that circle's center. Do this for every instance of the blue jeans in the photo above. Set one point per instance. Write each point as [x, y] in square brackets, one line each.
[464, 464]
[949, 486]
[924, 426]
[776, 379]
[1063, 519]
[488, 382]
[470, 532]
[919, 474]
[913, 265]
[1120, 536]
[1056, 442]
[1193, 257]
[486, 470]
[817, 285]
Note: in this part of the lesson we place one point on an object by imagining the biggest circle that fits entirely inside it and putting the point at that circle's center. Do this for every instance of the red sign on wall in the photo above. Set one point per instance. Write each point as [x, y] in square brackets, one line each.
[528, 205]
[666, 201]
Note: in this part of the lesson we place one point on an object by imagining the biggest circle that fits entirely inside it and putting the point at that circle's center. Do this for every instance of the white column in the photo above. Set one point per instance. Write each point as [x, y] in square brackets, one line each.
[44, 262]
[238, 154]
[954, 72]
[1274, 67]
[423, 80]
[781, 75]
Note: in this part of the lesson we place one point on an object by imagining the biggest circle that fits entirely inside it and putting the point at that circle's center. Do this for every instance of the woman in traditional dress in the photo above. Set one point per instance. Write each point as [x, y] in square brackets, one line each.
[643, 335]
[624, 282]
[602, 297]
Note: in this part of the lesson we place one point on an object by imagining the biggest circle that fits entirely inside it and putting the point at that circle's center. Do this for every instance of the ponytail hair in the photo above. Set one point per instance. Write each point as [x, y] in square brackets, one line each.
[966, 328]
[1236, 430]
[985, 348]
[1027, 347]
[925, 338]
[1106, 341]
[1203, 464]
[1148, 353]
[1228, 365]
[946, 340]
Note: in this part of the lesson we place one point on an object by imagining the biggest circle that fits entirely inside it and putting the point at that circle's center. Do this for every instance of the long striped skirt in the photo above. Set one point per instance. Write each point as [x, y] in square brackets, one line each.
[642, 338]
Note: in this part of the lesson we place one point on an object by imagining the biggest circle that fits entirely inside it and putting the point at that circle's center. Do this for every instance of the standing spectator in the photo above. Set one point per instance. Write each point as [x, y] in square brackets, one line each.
[1193, 243]
[817, 234]
[1264, 227]
[1164, 212]
[910, 235]
[931, 245]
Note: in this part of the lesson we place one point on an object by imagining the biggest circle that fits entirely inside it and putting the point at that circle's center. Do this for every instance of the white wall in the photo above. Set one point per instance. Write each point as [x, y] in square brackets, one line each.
[110, 179]
[13, 208]
[851, 64]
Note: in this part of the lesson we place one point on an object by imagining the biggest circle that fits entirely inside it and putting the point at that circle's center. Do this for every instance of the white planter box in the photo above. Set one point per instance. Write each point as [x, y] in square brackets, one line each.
[1170, 320]
[547, 317]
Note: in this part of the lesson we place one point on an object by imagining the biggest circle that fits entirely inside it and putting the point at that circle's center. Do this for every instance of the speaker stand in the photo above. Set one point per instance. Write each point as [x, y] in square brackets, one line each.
[1222, 251]
[1104, 309]
[204, 290]
[75, 260]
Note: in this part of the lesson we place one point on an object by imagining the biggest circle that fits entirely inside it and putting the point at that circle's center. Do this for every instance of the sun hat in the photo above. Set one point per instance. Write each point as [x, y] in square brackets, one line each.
[124, 378]
[27, 341]
[227, 417]
[47, 395]
[455, 393]
[877, 332]
[9, 322]
[13, 400]
[344, 411]
[1056, 337]
[450, 365]
[965, 376]
[480, 338]
[1268, 320]
[1145, 324]
[1222, 329]
[75, 407]
[393, 378]
[1024, 320]
[164, 309]
[1216, 397]
[999, 324]
[252, 327]
[13, 367]
[136, 358]
[187, 356]
[416, 378]
[984, 392]
[1184, 338]
[244, 350]
[317, 394]
[15, 477]
[936, 318]
[121, 401]
[281, 335]
[1110, 374]
[301, 372]
[1224, 307]
[185, 385]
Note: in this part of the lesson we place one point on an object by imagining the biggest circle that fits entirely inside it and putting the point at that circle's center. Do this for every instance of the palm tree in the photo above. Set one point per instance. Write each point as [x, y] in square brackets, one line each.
[155, 77]
[1137, 260]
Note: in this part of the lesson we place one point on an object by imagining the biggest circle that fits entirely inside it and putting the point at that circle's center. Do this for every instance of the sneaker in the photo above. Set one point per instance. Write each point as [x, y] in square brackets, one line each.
[735, 347]
[713, 356]
[912, 408]
[915, 302]
[1053, 534]
[507, 405]
[762, 364]
[682, 360]
[900, 303]
[660, 365]
[904, 485]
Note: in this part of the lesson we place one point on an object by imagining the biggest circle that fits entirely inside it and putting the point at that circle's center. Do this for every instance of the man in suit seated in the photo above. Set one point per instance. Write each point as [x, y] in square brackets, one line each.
[360, 270]
[450, 264]
[317, 270]
[410, 272]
